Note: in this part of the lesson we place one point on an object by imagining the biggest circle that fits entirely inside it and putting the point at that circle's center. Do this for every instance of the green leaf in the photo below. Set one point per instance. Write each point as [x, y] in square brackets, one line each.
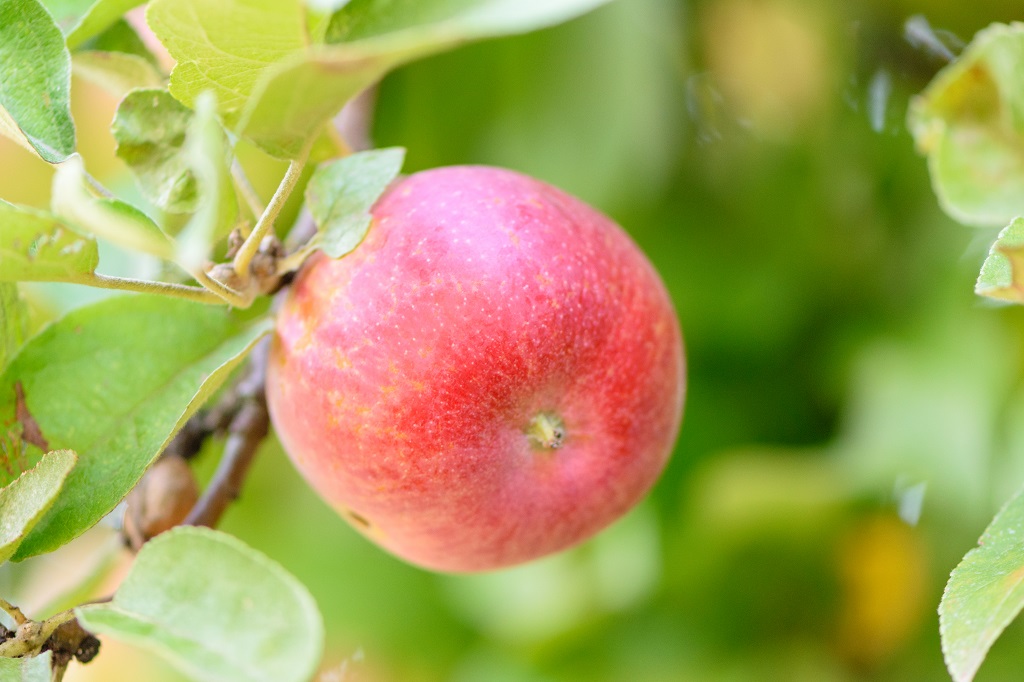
[225, 46]
[214, 607]
[340, 195]
[114, 381]
[207, 155]
[445, 22]
[116, 72]
[970, 123]
[101, 15]
[150, 128]
[296, 98]
[13, 322]
[109, 218]
[35, 80]
[278, 93]
[985, 593]
[1002, 273]
[24, 500]
[32, 669]
[35, 246]
[293, 100]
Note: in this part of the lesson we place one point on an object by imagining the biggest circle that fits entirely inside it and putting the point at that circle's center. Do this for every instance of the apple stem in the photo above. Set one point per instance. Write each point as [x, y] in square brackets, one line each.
[547, 431]
[264, 226]
[185, 291]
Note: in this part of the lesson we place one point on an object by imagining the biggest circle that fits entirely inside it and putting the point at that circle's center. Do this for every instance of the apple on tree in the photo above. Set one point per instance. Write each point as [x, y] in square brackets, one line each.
[495, 374]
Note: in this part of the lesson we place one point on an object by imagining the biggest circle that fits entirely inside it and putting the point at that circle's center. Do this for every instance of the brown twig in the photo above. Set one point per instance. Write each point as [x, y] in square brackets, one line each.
[247, 429]
[60, 634]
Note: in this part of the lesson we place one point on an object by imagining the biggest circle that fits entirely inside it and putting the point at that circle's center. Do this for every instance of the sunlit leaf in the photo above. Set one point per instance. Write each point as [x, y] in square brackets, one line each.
[293, 100]
[217, 609]
[106, 217]
[35, 246]
[35, 80]
[1002, 273]
[415, 22]
[970, 123]
[225, 46]
[985, 593]
[341, 193]
[114, 381]
[296, 98]
[150, 128]
[32, 669]
[116, 72]
[24, 500]
[207, 156]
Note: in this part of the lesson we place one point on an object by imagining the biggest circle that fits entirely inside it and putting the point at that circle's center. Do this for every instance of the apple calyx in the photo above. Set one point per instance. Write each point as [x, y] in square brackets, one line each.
[546, 431]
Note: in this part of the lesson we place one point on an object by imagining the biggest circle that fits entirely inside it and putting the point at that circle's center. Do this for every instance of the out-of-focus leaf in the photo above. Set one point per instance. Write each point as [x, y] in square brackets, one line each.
[921, 409]
[150, 127]
[300, 95]
[318, 17]
[624, 108]
[119, 37]
[35, 246]
[970, 123]
[112, 219]
[292, 101]
[100, 16]
[13, 322]
[229, 62]
[449, 21]
[31, 669]
[206, 155]
[341, 193]
[985, 593]
[67, 13]
[1002, 273]
[35, 80]
[116, 72]
[216, 608]
[114, 381]
[24, 500]
[327, 7]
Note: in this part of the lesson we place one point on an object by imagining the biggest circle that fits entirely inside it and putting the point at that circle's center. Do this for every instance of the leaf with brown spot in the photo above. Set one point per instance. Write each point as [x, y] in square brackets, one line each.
[30, 431]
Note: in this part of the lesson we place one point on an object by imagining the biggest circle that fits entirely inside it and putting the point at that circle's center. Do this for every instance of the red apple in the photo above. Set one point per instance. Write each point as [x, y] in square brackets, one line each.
[495, 374]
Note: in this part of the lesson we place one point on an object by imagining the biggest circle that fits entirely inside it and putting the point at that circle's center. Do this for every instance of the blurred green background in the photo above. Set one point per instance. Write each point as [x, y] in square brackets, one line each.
[855, 415]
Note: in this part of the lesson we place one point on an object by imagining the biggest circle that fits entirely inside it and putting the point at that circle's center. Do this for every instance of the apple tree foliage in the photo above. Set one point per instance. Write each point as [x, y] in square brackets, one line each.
[88, 403]
[969, 122]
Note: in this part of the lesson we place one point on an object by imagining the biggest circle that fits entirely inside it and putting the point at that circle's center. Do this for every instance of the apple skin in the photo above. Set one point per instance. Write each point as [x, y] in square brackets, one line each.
[495, 374]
